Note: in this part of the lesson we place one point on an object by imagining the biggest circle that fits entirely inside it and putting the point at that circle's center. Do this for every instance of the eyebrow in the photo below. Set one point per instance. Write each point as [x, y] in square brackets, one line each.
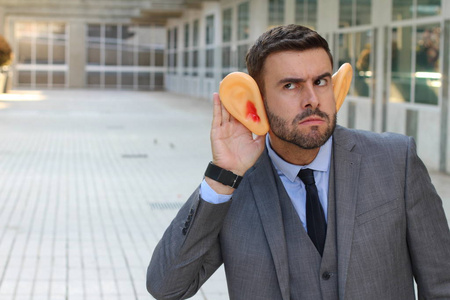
[297, 80]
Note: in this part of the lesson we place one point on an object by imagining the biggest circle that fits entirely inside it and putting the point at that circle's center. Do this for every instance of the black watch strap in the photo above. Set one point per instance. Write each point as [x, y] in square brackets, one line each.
[223, 176]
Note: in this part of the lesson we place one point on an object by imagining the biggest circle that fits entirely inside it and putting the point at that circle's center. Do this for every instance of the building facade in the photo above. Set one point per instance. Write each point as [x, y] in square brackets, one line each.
[75, 43]
[399, 50]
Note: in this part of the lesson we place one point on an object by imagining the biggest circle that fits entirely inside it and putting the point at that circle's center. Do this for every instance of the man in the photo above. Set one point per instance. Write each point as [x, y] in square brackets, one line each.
[377, 225]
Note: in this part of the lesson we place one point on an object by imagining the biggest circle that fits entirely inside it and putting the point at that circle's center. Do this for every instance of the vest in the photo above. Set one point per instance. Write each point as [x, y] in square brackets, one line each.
[311, 276]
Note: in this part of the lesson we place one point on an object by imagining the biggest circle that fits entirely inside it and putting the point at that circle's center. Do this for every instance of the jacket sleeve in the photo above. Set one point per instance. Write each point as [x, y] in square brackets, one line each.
[428, 231]
[189, 251]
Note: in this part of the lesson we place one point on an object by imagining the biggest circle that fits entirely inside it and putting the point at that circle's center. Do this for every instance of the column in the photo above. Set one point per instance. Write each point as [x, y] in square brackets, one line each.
[77, 55]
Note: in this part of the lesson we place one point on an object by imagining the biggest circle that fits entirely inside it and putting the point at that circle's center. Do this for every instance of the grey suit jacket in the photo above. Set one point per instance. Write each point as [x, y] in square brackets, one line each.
[390, 226]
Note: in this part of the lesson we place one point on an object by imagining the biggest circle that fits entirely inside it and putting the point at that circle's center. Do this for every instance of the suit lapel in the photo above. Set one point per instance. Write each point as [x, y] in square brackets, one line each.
[268, 204]
[346, 176]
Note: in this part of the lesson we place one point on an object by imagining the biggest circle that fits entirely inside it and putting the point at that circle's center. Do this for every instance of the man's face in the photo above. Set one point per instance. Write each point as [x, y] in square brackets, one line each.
[299, 99]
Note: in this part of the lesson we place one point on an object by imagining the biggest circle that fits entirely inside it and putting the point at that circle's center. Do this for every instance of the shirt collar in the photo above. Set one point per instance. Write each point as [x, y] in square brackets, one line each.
[320, 163]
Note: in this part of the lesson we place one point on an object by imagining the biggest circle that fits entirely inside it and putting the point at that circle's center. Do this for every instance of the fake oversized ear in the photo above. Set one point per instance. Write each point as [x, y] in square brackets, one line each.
[341, 83]
[241, 97]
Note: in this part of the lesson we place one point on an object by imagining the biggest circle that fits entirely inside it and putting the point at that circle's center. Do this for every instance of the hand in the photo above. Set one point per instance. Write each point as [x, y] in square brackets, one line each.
[233, 146]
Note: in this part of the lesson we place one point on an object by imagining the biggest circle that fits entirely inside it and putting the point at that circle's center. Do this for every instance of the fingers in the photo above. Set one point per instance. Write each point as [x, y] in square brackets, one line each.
[220, 113]
[217, 111]
[225, 114]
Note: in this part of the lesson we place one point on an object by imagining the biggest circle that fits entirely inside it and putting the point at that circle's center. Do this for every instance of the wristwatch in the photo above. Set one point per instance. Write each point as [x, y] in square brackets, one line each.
[223, 176]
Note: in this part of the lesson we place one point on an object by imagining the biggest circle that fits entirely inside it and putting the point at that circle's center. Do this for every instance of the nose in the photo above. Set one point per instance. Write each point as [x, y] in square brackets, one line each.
[309, 97]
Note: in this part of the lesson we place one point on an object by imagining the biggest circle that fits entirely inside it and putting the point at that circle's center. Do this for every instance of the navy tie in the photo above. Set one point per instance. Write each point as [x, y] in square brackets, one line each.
[315, 218]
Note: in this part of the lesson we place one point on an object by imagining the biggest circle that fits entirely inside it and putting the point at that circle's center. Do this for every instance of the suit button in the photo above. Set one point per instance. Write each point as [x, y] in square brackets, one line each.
[326, 275]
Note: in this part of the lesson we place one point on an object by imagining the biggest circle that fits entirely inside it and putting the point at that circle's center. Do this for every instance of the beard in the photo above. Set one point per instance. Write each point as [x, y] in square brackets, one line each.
[291, 134]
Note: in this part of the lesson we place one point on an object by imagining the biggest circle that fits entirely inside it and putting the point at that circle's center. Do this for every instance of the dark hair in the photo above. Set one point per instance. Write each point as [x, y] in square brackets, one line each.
[282, 38]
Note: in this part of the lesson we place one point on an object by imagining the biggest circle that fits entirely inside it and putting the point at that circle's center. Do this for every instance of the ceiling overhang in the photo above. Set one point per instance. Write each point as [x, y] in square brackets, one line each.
[161, 11]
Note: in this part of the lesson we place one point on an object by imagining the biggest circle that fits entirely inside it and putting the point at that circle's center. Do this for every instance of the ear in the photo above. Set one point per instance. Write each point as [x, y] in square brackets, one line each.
[341, 83]
[240, 95]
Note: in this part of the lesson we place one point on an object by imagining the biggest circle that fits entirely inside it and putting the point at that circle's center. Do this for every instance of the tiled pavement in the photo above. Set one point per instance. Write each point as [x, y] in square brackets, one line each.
[89, 180]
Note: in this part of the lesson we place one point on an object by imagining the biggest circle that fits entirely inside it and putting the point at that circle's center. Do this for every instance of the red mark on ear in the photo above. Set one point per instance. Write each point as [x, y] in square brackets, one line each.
[251, 112]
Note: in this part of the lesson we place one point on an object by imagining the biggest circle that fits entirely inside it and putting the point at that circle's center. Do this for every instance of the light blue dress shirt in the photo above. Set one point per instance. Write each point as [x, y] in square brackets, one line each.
[288, 175]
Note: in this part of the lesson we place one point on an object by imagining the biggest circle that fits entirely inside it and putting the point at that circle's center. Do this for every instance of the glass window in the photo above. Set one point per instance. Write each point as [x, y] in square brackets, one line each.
[401, 66]
[144, 53]
[311, 20]
[409, 9]
[195, 33]
[40, 47]
[159, 57]
[227, 25]
[195, 62]
[127, 54]
[59, 78]
[115, 45]
[111, 33]
[300, 11]
[93, 78]
[42, 43]
[276, 12]
[186, 35]
[186, 59]
[128, 44]
[159, 80]
[243, 21]
[175, 38]
[110, 79]
[355, 48]
[416, 76]
[345, 13]
[427, 8]
[209, 62]
[242, 52]
[427, 75]
[402, 9]
[210, 30]
[127, 79]
[25, 50]
[363, 12]
[306, 13]
[169, 39]
[144, 45]
[111, 49]
[345, 51]
[94, 45]
[363, 74]
[143, 80]
[59, 43]
[226, 57]
[354, 12]
[59, 54]
[186, 62]
[41, 78]
[24, 78]
[195, 43]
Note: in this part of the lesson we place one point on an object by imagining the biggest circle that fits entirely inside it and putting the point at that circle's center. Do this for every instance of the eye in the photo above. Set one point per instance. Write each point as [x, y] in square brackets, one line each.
[289, 86]
[321, 82]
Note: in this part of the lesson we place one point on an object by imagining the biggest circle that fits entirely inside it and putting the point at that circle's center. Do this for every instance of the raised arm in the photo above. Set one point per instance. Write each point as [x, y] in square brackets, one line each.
[189, 251]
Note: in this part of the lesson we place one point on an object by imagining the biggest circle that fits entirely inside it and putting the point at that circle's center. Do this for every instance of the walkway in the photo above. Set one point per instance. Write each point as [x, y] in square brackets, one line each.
[89, 180]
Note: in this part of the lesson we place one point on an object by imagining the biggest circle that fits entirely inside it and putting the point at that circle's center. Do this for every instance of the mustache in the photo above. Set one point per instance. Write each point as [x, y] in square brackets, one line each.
[310, 112]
